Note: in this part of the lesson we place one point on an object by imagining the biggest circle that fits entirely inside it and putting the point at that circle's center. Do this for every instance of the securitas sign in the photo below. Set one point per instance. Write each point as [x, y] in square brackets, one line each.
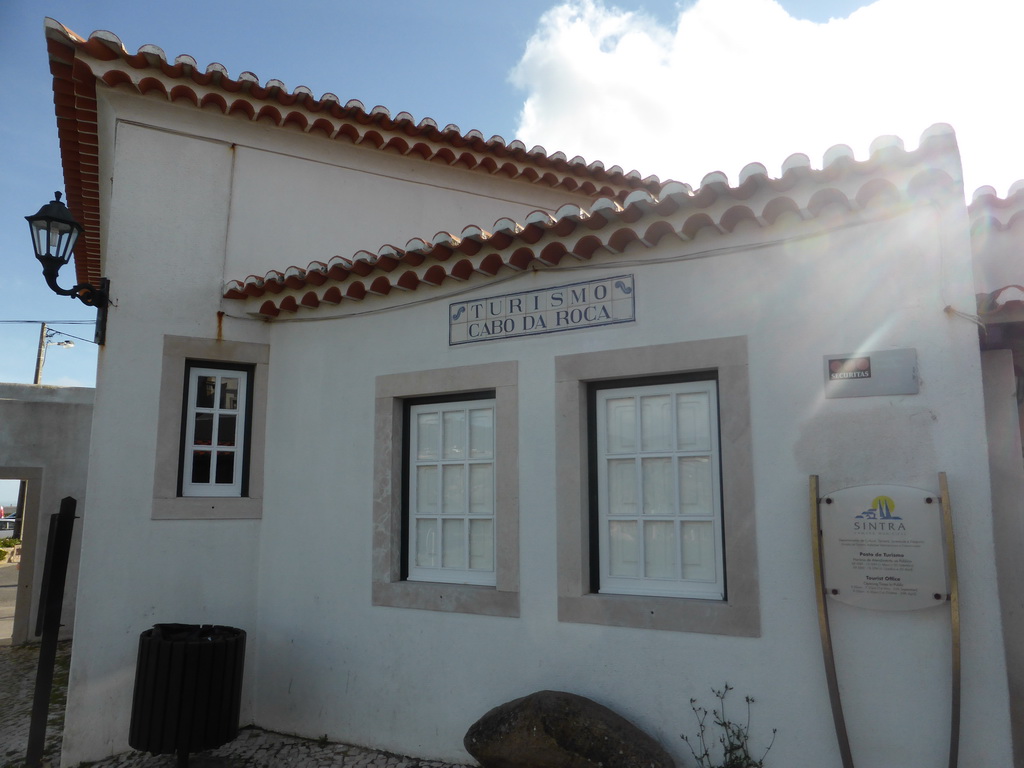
[849, 368]
[871, 373]
[562, 308]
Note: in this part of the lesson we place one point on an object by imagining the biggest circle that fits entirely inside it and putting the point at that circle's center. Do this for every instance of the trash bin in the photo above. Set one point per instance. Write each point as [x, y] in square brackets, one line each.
[188, 689]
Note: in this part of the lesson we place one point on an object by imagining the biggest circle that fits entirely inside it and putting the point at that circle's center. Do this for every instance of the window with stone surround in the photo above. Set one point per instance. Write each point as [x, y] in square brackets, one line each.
[215, 434]
[211, 429]
[655, 484]
[449, 497]
[446, 490]
[724, 602]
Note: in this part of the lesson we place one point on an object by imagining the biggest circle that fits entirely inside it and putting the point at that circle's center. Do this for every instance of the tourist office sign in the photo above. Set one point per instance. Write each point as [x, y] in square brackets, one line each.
[882, 547]
[549, 310]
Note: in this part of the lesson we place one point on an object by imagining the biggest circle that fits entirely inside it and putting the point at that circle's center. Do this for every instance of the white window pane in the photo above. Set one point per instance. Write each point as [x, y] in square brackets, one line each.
[659, 486]
[656, 422]
[426, 490]
[693, 412]
[481, 433]
[426, 436]
[481, 489]
[426, 543]
[699, 551]
[481, 545]
[660, 550]
[696, 491]
[621, 415]
[214, 420]
[452, 476]
[657, 461]
[623, 548]
[454, 435]
[454, 547]
[622, 497]
[454, 489]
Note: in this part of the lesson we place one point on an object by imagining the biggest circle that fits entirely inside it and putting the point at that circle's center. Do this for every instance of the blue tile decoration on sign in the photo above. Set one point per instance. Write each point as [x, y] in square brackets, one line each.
[587, 304]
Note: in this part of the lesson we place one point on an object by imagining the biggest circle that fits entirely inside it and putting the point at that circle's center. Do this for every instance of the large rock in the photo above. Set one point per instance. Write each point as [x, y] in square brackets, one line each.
[552, 729]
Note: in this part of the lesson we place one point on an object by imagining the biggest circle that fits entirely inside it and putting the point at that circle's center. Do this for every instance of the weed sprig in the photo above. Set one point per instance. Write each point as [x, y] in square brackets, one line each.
[734, 738]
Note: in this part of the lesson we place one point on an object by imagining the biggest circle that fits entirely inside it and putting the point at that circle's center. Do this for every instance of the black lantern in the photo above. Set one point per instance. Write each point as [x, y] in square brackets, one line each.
[54, 234]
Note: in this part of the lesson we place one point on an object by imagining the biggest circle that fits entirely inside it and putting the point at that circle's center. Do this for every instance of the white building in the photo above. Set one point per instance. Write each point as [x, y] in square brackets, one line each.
[442, 421]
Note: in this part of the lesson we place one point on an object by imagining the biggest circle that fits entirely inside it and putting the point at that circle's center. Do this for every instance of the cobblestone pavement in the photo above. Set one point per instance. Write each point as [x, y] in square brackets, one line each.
[254, 748]
[17, 685]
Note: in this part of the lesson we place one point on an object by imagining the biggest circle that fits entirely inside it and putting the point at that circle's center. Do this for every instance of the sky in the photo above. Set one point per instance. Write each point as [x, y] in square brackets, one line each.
[672, 89]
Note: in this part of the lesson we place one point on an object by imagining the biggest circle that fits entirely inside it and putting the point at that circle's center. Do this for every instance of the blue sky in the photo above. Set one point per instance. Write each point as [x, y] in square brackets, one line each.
[672, 89]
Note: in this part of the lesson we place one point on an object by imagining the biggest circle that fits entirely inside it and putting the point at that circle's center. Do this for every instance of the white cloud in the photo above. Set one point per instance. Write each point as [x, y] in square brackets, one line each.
[740, 81]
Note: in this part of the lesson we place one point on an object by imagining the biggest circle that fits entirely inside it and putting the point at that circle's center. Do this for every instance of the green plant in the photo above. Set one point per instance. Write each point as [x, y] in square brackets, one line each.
[6, 545]
[734, 738]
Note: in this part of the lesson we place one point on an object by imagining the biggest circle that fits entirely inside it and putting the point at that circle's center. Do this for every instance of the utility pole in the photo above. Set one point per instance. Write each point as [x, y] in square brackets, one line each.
[40, 355]
[44, 342]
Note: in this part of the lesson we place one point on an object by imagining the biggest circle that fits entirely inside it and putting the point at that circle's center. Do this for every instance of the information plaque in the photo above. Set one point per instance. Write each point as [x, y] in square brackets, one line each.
[882, 547]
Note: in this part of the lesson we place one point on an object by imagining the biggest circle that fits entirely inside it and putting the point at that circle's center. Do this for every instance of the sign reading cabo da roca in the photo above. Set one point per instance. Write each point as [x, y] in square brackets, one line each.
[882, 547]
[562, 308]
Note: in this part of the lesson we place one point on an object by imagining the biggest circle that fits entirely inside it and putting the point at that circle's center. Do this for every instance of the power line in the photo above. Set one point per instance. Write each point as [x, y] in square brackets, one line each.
[48, 322]
[79, 338]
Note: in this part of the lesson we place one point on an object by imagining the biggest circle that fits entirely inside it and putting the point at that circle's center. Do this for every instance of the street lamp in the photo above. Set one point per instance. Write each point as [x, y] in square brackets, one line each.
[54, 234]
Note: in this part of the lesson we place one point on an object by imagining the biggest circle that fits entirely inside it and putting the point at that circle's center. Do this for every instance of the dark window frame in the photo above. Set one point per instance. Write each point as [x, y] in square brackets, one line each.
[593, 489]
[407, 405]
[250, 371]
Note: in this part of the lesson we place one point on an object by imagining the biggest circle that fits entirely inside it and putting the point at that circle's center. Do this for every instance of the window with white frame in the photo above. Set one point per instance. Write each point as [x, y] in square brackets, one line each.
[215, 433]
[451, 490]
[657, 489]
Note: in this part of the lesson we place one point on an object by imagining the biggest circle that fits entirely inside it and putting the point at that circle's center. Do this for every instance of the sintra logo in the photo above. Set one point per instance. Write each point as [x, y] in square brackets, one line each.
[880, 517]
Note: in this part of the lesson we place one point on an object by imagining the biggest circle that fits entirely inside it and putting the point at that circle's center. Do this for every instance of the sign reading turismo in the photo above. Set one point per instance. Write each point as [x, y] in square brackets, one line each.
[882, 547]
[562, 308]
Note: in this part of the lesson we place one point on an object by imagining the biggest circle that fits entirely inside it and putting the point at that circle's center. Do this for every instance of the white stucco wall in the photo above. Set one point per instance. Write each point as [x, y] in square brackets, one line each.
[323, 659]
[190, 200]
[166, 276]
[413, 681]
[293, 198]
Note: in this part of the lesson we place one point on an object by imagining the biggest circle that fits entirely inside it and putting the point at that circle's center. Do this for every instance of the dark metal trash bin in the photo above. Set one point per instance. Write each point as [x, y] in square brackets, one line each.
[188, 689]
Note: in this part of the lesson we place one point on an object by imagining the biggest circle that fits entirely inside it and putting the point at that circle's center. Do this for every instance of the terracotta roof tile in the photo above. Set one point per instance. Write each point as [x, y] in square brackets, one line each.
[889, 175]
[988, 210]
[78, 63]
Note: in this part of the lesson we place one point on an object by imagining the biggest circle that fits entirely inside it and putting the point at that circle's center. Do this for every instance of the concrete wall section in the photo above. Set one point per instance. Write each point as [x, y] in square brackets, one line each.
[330, 662]
[44, 440]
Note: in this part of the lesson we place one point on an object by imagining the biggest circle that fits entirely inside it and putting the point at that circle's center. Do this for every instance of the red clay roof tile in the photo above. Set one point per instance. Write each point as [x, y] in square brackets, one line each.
[148, 70]
[644, 219]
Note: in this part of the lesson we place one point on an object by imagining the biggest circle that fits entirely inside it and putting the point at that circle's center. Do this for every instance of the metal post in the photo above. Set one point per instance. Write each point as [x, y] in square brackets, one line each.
[954, 615]
[54, 573]
[825, 629]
